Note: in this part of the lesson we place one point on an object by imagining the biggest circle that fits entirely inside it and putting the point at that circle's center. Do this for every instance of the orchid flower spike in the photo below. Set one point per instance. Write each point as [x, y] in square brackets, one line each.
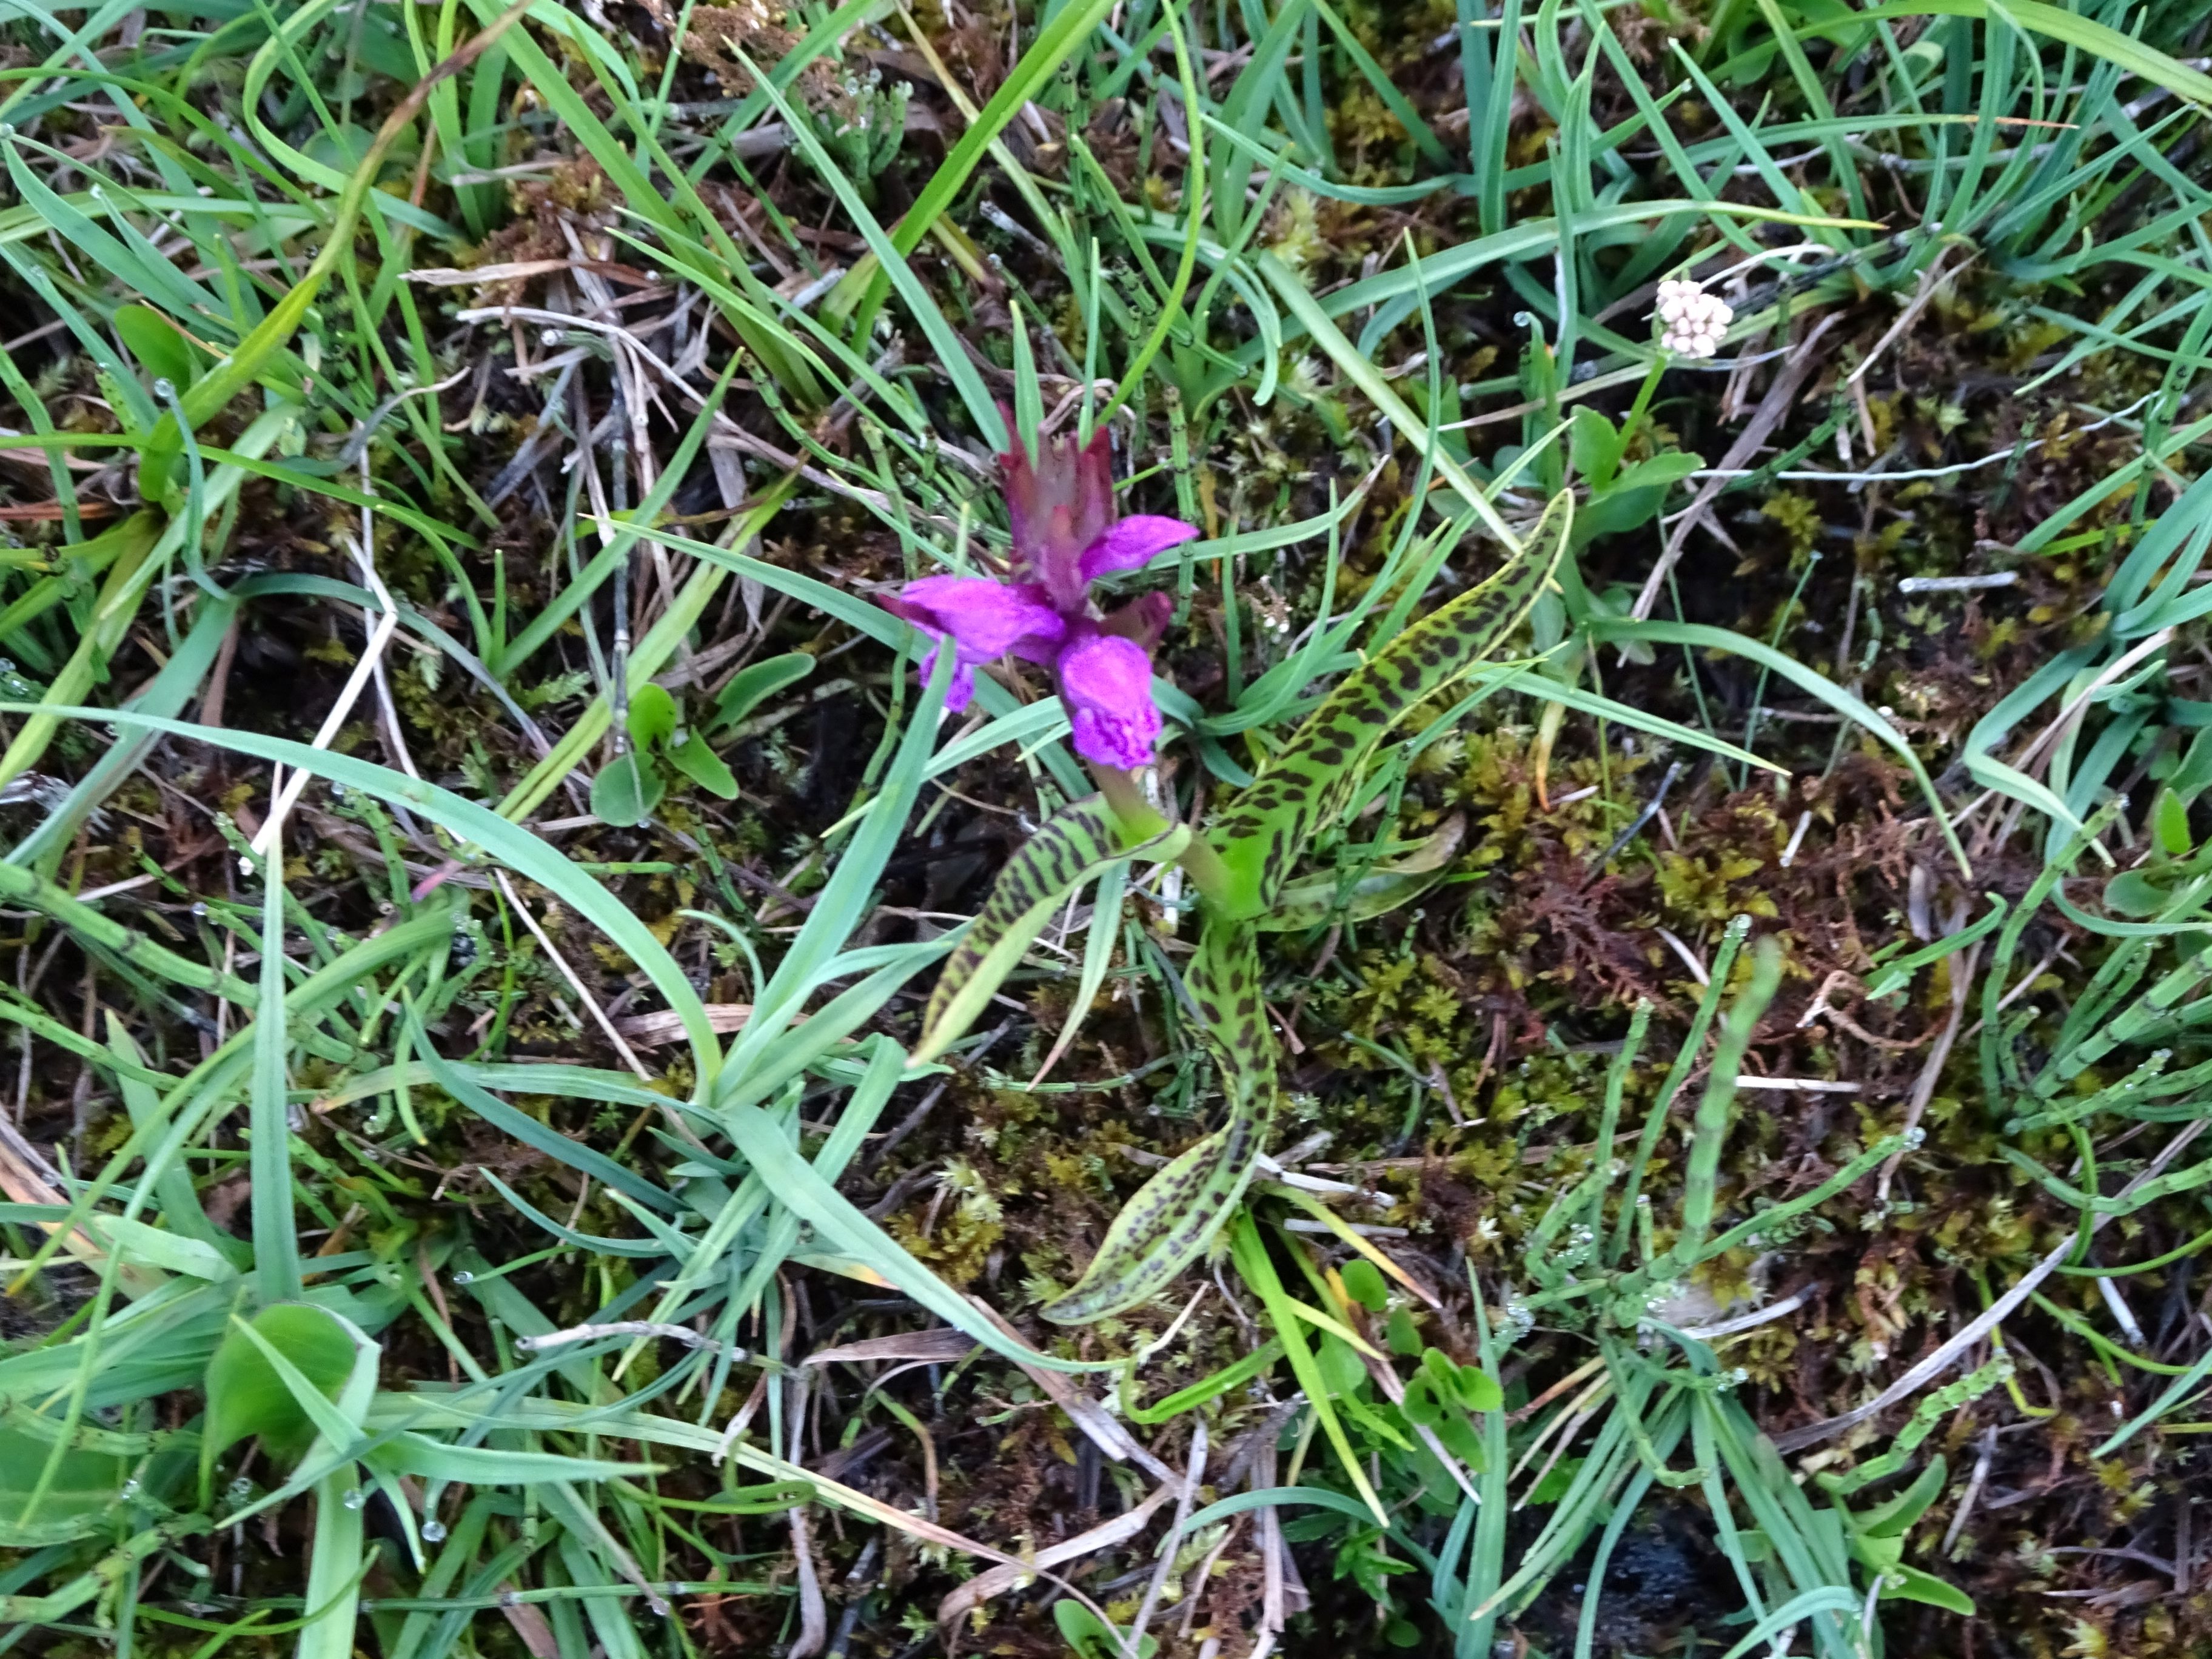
[1066, 536]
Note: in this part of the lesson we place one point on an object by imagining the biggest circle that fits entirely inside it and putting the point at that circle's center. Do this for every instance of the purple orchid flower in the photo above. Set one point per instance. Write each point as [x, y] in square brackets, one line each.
[1066, 536]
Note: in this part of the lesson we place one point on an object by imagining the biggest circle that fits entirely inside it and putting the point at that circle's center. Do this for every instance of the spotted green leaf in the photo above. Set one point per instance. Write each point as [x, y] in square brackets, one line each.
[1323, 899]
[1306, 786]
[1078, 843]
[1176, 1214]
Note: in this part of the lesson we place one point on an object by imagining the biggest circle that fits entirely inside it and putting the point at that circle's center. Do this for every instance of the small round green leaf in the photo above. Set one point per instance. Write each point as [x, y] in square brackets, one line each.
[651, 715]
[626, 791]
[1478, 1391]
[753, 686]
[1363, 1281]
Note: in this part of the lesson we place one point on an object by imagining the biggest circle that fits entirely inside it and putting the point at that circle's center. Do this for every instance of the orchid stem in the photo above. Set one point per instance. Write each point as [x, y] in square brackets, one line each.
[1139, 821]
[1138, 818]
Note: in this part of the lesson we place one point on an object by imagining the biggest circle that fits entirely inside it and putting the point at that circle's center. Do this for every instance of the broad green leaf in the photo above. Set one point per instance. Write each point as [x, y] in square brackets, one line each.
[1904, 1583]
[1089, 1637]
[161, 351]
[247, 1396]
[1078, 844]
[753, 686]
[1176, 1214]
[626, 790]
[1302, 790]
[76, 1495]
[695, 758]
[651, 715]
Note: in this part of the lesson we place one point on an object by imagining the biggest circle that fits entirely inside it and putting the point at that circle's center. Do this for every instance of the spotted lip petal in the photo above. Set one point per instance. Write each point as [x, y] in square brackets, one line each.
[1133, 543]
[1106, 682]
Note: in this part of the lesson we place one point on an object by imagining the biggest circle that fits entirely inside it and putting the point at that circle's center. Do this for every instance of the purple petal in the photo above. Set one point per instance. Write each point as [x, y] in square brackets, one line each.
[988, 619]
[984, 620]
[1108, 684]
[1134, 543]
[962, 687]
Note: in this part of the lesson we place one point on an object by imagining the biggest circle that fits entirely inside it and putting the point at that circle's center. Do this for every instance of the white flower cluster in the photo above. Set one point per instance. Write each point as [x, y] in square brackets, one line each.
[1692, 321]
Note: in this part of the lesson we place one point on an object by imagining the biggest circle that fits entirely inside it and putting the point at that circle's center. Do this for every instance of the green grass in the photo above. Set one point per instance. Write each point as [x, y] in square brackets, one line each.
[452, 1208]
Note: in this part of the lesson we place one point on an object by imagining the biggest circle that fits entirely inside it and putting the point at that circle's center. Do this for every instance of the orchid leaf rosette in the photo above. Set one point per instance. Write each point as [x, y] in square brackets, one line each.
[1067, 536]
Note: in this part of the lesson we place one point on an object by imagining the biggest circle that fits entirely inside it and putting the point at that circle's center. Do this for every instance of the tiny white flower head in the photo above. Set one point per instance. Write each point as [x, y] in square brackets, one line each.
[1691, 321]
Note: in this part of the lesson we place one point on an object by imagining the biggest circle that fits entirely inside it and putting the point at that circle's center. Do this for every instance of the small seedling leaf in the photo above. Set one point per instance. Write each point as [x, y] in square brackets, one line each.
[626, 791]
[753, 686]
[1905, 1583]
[696, 760]
[652, 716]
[1894, 1518]
[1594, 443]
[1089, 1637]
[2172, 817]
[1479, 1391]
[1363, 1282]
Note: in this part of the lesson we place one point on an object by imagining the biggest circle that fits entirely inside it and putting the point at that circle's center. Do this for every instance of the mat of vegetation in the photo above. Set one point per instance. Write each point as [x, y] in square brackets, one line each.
[1103, 830]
